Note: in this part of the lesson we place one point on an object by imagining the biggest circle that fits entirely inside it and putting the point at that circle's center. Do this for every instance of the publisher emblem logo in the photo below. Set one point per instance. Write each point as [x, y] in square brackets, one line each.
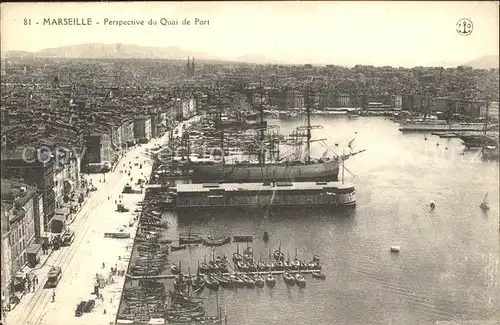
[464, 27]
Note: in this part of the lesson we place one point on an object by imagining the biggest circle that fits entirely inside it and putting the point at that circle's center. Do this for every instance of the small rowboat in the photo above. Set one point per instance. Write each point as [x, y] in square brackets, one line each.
[175, 269]
[179, 283]
[278, 255]
[395, 249]
[270, 280]
[295, 264]
[289, 279]
[190, 240]
[206, 318]
[242, 238]
[198, 282]
[300, 280]
[224, 281]
[211, 283]
[237, 280]
[318, 275]
[178, 319]
[174, 248]
[259, 280]
[249, 282]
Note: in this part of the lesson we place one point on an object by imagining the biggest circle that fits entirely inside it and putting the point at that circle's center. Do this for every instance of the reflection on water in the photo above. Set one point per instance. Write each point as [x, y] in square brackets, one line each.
[448, 265]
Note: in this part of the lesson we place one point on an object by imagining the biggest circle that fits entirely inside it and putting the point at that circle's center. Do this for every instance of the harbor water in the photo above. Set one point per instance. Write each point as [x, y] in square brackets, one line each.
[448, 265]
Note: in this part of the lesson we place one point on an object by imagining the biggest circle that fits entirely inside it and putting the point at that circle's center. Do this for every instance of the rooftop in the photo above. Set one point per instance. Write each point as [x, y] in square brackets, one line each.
[256, 187]
[15, 191]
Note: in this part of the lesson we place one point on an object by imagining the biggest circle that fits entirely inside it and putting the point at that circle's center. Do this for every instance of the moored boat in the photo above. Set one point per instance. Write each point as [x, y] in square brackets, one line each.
[225, 281]
[175, 269]
[270, 280]
[174, 248]
[318, 275]
[190, 240]
[300, 280]
[237, 256]
[217, 241]
[180, 283]
[242, 238]
[259, 280]
[485, 203]
[237, 280]
[198, 283]
[248, 254]
[241, 266]
[278, 254]
[211, 283]
[249, 282]
[288, 278]
[179, 319]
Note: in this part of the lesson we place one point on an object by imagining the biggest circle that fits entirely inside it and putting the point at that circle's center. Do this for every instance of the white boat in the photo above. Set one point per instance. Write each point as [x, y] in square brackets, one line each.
[395, 249]
[485, 204]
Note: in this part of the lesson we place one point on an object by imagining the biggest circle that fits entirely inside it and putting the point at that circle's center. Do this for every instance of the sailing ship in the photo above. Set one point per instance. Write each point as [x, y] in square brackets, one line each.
[489, 150]
[485, 204]
[322, 169]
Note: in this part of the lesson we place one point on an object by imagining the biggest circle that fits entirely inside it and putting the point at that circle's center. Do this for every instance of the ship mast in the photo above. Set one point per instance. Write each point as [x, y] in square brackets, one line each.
[485, 124]
[262, 152]
[221, 130]
[486, 115]
[308, 111]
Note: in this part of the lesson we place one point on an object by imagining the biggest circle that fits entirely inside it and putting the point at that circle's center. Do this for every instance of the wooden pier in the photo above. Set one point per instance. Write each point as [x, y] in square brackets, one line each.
[172, 276]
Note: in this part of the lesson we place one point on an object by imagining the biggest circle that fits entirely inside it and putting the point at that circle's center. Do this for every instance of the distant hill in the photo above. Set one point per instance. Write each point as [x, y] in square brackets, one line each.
[113, 51]
[130, 51]
[484, 62]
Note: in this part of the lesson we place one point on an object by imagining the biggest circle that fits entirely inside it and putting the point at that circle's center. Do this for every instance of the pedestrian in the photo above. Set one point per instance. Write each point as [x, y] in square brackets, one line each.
[103, 265]
[53, 295]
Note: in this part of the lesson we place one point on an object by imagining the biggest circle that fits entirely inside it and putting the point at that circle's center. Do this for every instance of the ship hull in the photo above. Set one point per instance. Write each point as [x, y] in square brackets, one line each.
[324, 171]
[441, 127]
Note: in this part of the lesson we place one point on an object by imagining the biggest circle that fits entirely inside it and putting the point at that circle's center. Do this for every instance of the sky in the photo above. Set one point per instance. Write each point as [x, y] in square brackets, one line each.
[378, 33]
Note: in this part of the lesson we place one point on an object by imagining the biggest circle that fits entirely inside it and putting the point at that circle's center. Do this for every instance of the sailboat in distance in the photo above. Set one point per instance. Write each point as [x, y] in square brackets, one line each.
[485, 204]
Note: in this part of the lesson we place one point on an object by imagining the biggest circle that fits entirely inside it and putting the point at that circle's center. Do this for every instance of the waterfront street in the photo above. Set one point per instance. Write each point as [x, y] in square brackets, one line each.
[84, 257]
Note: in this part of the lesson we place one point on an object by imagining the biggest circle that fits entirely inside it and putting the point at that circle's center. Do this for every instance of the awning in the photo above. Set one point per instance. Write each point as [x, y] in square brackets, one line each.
[59, 217]
[20, 274]
[62, 211]
[33, 249]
